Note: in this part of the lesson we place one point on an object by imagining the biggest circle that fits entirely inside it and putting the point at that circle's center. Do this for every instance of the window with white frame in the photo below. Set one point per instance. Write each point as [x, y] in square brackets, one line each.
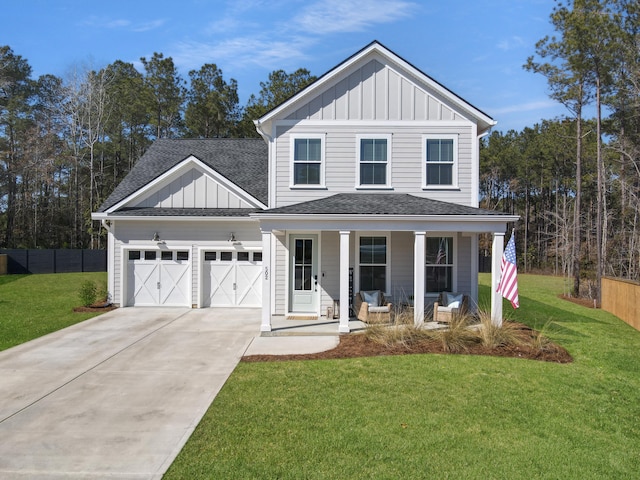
[307, 161]
[372, 262]
[439, 264]
[373, 164]
[440, 161]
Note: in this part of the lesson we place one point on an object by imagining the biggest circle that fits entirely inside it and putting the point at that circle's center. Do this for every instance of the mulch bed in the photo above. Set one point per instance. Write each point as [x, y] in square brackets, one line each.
[585, 302]
[358, 345]
[97, 308]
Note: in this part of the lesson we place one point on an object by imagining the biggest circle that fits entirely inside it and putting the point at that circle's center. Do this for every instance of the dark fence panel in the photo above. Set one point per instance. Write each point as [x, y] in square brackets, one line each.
[484, 264]
[55, 261]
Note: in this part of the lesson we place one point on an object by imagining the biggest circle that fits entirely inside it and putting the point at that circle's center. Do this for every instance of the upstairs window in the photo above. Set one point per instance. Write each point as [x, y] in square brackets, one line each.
[373, 165]
[307, 161]
[441, 155]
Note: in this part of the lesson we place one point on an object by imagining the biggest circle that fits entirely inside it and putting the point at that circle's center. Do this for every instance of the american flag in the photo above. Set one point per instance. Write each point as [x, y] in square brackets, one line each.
[508, 285]
[441, 252]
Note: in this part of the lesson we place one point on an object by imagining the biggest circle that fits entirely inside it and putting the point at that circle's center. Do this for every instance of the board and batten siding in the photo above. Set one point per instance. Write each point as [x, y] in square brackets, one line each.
[376, 91]
[407, 158]
[193, 189]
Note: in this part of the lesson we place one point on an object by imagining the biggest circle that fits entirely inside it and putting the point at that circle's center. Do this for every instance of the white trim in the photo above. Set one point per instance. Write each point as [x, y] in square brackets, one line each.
[294, 233]
[388, 124]
[176, 171]
[172, 218]
[307, 136]
[456, 161]
[356, 259]
[358, 154]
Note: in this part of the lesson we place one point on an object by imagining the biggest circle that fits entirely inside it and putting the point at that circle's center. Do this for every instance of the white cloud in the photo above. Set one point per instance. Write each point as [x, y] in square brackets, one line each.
[511, 43]
[525, 107]
[242, 52]
[122, 23]
[332, 16]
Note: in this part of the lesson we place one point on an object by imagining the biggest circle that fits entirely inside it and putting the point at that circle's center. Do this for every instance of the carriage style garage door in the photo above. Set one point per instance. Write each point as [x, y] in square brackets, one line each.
[158, 277]
[232, 279]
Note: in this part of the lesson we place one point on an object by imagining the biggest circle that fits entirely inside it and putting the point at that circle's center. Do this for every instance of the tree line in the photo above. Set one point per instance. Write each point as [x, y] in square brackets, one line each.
[575, 182]
[65, 143]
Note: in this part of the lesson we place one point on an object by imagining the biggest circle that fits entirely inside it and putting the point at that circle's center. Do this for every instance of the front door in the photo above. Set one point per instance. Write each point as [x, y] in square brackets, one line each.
[303, 276]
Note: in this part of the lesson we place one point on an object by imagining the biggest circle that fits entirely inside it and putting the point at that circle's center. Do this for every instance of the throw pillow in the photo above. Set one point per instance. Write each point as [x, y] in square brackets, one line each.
[371, 297]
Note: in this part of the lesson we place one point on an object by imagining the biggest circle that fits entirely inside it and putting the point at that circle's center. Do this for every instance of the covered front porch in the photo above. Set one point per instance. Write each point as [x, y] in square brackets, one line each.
[410, 248]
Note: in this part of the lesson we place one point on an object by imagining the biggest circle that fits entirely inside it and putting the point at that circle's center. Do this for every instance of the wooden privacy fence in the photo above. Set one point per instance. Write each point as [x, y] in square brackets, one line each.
[621, 297]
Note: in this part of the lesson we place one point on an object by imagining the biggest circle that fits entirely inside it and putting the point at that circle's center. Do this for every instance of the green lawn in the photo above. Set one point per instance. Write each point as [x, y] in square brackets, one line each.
[34, 305]
[436, 416]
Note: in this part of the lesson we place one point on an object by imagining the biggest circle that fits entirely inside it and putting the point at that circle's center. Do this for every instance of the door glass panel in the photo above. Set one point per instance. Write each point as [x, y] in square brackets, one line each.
[210, 256]
[182, 255]
[257, 256]
[134, 254]
[243, 256]
[226, 256]
[303, 263]
[150, 255]
[166, 255]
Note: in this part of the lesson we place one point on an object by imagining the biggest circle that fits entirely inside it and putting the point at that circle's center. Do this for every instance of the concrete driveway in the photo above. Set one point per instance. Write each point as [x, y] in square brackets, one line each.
[116, 396]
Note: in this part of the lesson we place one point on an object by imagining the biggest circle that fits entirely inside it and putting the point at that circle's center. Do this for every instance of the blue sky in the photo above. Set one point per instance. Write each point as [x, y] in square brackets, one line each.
[476, 49]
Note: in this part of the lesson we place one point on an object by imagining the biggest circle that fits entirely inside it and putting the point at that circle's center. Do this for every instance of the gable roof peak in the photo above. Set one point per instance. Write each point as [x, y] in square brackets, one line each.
[263, 124]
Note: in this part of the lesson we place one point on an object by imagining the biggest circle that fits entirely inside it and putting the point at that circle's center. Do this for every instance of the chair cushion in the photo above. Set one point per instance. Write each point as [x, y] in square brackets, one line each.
[450, 298]
[372, 297]
[383, 309]
[445, 309]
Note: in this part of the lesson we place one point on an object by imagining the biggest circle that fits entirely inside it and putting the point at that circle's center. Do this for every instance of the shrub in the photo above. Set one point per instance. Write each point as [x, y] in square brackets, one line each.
[459, 336]
[492, 335]
[88, 292]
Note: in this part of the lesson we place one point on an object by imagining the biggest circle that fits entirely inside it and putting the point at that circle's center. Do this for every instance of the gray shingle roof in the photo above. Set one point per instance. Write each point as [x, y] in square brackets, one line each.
[243, 161]
[185, 212]
[377, 204]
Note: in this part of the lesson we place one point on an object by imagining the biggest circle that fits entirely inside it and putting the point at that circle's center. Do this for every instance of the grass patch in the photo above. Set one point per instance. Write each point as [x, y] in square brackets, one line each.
[34, 305]
[436, 416]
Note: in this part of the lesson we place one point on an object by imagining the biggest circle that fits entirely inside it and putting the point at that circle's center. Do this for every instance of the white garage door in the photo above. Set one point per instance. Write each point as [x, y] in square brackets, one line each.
[158, 277]
[232, 279]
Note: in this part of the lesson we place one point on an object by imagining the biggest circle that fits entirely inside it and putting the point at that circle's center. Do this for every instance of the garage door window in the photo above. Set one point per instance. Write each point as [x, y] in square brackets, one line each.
[210, 256]
[182, 255]
[257, 256]
[167, 255]
[134, 254]
[150, 255]
[243, 256]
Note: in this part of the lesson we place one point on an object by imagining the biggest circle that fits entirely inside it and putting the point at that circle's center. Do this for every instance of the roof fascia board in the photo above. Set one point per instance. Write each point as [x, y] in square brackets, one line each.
[458, 223]
[171, 218]
[177, 170]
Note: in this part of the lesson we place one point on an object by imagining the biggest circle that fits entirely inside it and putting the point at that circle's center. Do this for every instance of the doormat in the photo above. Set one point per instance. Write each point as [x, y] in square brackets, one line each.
[302, 317]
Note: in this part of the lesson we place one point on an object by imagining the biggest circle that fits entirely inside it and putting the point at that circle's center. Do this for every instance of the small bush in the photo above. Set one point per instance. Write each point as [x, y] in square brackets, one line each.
[88, 292]
[459, 336]
[493, 336]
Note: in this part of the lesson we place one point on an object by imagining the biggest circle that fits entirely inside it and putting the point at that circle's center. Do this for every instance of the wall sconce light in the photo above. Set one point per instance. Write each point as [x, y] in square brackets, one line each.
[156, 237]
[232, 237]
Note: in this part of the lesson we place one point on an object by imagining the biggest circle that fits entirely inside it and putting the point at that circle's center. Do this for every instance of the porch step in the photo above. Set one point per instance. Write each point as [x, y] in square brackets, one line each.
[302, 317]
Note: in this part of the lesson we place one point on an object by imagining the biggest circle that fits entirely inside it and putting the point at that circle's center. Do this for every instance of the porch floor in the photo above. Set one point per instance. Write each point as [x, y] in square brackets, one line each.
[283, 327]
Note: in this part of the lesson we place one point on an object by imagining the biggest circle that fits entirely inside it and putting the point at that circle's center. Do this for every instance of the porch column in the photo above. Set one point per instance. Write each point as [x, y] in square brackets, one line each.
[344, 282]
[419, 262]
[267, 272]
[497, 250]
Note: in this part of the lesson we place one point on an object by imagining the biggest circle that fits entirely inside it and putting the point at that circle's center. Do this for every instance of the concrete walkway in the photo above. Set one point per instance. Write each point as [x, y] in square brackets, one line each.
[116, 396]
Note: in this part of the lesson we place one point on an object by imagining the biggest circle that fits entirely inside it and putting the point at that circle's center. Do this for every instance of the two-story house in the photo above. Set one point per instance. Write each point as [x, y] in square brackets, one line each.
[367, 179]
